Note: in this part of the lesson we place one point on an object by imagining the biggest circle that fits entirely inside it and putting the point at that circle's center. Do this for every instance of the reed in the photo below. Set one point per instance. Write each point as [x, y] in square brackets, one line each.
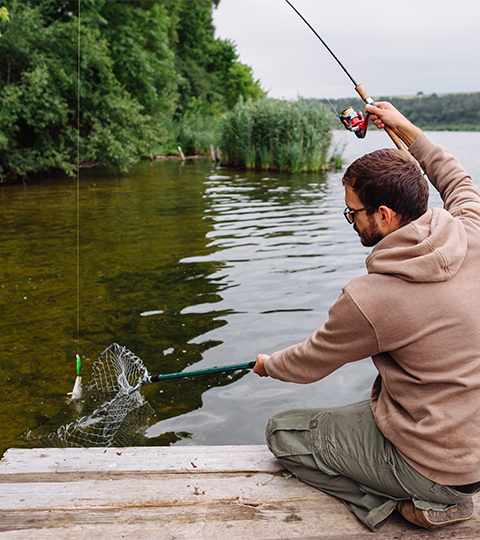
[280, 135]
[194, 133]
[336, 160]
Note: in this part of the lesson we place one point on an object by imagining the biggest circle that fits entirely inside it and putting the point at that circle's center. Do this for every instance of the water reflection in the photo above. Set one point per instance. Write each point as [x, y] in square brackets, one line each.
[184, 266]
[278, 239]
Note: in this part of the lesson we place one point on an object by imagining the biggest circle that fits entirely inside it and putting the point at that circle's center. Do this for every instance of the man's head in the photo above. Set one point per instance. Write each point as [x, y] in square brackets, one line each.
[384, 190]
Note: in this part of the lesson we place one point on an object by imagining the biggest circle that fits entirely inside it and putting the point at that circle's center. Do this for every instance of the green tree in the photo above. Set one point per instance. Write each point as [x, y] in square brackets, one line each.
[451, 112]
[212, 79]
[39, 94]
[238, 83]
[143, 62]
[139, 45]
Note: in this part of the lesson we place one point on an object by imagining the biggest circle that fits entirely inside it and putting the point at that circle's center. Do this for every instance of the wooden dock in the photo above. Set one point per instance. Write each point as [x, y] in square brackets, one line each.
[189, 492]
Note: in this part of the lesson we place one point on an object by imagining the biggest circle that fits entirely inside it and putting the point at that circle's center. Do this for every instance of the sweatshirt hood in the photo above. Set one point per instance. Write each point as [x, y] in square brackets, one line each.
[430, 249]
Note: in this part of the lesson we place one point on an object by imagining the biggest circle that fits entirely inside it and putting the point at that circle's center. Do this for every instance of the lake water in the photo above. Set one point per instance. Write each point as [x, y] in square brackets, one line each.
[188, 267]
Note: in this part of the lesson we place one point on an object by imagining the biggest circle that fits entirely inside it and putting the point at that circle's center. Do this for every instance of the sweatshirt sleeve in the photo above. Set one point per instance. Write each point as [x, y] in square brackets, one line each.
[347, 336]
[458, 192]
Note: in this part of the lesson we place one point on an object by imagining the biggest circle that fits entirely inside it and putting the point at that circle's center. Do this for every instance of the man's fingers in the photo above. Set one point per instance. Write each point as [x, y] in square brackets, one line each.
[374, 110]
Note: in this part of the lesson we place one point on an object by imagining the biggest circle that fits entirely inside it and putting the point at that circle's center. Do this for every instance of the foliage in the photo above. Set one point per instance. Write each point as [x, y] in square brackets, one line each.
[271, 134]
[143, 63]
[336, 159]
[39, 92]
[4, 17]
[212, 79]
[238, 82]
[194, 133]
[450, 112]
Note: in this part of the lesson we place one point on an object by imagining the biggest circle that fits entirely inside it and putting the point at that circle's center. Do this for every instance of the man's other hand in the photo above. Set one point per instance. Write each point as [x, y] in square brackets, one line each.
[259, 368]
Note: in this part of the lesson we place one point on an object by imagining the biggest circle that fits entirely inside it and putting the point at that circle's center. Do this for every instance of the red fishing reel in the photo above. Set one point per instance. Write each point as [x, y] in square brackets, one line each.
[354, 121]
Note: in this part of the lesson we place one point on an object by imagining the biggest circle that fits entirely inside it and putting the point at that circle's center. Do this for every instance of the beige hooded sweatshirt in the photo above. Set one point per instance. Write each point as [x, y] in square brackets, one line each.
[417, 314]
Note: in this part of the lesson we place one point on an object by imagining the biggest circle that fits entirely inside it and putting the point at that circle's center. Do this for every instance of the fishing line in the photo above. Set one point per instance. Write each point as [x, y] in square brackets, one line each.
[78, 183]
[114, 409]
[334, 110]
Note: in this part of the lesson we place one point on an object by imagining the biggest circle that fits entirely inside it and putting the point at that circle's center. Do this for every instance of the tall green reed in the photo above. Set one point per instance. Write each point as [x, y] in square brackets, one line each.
[281, 135]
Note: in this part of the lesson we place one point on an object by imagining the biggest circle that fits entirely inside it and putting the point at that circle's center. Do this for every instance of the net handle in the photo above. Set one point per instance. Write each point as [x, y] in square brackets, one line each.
[207, 371]
[184, 374]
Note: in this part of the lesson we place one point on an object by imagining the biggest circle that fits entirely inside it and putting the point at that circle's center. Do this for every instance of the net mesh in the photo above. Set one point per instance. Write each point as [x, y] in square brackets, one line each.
[117, 371]
[110, 415]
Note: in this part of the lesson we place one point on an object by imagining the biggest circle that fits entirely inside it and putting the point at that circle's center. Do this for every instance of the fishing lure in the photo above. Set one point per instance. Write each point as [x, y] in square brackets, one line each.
[77, 391]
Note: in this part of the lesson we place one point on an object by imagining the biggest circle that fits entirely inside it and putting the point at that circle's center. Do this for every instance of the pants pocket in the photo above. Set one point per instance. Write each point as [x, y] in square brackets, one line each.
[288, 433]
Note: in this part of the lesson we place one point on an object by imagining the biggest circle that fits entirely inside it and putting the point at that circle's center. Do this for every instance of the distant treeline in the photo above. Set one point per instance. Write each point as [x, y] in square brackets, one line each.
[151, 71]
[449, 112]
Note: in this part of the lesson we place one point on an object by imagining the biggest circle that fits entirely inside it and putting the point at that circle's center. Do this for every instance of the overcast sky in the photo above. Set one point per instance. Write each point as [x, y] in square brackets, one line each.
[392, 47]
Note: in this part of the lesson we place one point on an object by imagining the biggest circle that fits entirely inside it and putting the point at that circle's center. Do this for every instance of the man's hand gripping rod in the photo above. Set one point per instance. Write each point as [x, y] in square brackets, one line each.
[358, 87]
[369, 101]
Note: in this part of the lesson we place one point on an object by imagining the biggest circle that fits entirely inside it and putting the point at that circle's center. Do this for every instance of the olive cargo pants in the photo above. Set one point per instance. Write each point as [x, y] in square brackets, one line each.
[341, 451]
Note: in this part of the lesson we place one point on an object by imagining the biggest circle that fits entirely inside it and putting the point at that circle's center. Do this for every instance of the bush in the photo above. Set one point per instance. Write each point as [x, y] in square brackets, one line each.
[39, 93]
[279, 135]
[194, 133]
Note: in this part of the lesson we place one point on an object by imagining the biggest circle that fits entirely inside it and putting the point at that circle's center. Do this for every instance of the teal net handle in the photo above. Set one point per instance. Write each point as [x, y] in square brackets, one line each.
[207, 371]
[184, 374]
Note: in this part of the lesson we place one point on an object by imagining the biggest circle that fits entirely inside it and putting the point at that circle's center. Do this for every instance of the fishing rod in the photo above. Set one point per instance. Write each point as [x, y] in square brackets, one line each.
[352, 120]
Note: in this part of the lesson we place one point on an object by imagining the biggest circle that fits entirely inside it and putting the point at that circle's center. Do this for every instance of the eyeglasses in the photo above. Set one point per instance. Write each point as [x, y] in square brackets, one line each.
[350, 214]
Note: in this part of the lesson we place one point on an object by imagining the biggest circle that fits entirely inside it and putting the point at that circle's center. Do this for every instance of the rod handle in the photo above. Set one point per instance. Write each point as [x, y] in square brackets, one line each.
[395, 138]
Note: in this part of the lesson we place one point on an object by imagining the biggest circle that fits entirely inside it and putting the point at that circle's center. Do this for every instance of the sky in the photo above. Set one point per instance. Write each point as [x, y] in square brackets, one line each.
[391, 47]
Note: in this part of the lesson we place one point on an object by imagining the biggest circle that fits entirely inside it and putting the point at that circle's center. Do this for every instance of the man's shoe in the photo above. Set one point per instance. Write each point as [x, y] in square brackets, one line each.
[435, 518]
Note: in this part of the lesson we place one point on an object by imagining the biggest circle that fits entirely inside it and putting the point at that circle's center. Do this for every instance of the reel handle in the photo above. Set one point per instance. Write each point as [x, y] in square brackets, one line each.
[395, 138]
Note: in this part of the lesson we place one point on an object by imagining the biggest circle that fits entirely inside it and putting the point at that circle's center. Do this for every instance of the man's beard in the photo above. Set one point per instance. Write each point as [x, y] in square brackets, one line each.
[371, 236]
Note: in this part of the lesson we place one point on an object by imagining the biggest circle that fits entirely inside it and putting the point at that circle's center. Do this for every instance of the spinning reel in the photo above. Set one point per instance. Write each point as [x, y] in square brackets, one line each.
[354, 121]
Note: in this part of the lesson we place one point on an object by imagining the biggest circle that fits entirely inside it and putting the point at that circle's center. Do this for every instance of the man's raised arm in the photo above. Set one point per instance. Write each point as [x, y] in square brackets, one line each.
[454, 184]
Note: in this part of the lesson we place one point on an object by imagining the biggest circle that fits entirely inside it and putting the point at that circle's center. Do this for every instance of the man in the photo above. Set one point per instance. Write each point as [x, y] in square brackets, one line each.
[415, 445]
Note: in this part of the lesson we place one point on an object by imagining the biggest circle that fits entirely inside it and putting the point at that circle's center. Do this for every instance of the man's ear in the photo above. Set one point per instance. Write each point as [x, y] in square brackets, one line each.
[388, 218]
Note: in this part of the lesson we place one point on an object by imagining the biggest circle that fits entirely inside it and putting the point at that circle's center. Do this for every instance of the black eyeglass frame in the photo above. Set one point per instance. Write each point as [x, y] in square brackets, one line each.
[350, 214]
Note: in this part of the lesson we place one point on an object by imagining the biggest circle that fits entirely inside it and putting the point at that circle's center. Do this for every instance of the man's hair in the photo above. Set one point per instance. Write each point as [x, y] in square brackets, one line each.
[389, 177]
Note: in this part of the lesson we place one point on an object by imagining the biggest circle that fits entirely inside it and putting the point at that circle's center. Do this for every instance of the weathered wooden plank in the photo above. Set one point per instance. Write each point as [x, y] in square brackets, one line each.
[155, 490]
[181, 493]
[303, 520]
[139, 459]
